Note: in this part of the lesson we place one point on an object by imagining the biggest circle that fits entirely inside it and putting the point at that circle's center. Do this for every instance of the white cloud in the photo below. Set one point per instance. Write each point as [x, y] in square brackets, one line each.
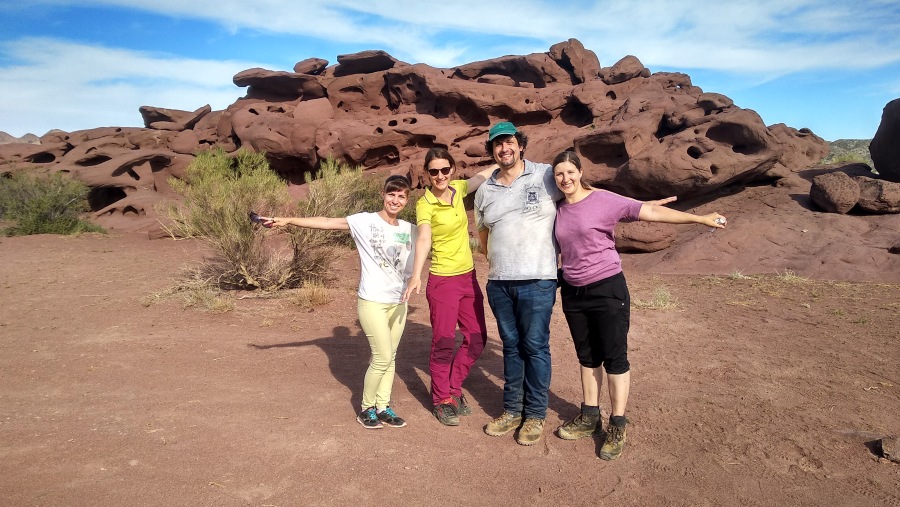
[754, 42]
[57, 84]
[774, 36]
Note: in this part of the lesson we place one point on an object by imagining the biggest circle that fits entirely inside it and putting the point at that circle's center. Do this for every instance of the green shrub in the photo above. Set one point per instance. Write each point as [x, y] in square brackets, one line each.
[338, 190]
[44, 204]
[218, 191]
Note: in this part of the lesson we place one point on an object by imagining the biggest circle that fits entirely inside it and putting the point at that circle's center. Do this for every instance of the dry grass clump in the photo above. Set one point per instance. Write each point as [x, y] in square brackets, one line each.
[194, 292]
[661, 299]
[312, 294]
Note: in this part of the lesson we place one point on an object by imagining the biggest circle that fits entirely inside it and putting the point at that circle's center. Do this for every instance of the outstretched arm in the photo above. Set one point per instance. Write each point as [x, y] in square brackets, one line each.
[475, 181]
[423, 246]
[337, 224]
[654, 213]
[662, 202]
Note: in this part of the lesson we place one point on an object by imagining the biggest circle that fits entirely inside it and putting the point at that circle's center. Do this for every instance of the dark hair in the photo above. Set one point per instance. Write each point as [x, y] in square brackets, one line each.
[571, 157]
[396, 183]
[438, 153]
[522, 138]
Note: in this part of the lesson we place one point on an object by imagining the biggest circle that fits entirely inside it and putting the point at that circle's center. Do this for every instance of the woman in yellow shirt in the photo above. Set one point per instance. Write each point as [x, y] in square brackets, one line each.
[453, 294]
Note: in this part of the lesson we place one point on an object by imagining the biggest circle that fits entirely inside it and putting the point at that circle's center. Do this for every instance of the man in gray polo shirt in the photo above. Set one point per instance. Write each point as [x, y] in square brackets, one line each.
[517, 205]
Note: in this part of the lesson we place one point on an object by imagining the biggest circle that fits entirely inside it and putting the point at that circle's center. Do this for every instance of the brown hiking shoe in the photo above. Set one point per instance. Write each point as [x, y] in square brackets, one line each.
[462, 404]
[582, 426]
[530, 432]
[503, 424]
[615, 439]
[446, 413]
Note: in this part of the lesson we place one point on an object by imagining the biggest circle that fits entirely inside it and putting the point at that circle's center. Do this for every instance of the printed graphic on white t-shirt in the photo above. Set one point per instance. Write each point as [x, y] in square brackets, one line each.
[393, 258]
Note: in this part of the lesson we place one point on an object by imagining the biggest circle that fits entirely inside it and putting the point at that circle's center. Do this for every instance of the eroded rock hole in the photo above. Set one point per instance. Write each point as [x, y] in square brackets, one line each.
[576, 114]
[41, 158]
[612, 154]
[99, 159]
[101, 197]
[740, 137]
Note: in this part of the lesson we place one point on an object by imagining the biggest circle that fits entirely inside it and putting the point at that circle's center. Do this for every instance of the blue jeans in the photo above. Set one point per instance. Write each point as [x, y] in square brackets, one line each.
[522, 309]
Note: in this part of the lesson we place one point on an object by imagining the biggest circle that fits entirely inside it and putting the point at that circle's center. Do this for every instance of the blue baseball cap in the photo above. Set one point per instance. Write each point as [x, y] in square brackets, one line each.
[504, 128]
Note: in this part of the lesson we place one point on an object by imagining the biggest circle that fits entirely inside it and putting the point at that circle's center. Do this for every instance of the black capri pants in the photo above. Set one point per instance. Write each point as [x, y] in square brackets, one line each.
[599, 315]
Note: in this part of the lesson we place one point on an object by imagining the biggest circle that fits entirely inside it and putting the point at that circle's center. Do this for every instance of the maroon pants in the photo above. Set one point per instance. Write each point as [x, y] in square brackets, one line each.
[454, 300]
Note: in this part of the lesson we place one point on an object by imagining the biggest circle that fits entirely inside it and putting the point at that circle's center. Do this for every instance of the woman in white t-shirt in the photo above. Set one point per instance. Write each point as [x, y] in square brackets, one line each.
[385, 245]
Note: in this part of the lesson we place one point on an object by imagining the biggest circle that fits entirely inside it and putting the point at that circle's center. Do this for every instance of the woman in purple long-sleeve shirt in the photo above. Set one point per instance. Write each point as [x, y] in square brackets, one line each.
[595, 296]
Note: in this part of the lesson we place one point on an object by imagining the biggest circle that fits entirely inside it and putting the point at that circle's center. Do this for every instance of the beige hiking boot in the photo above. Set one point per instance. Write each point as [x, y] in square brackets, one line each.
[615, 438]
[582, 426]
[503, 424]
[530, 432]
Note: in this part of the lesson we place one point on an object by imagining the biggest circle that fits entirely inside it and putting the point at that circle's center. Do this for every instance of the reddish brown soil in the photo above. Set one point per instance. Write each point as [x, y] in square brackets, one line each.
[763, 391]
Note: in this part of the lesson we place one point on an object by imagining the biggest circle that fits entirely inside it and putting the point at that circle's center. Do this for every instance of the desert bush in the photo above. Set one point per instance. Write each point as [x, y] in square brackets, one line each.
[218, 191]
[338, 190]
[44, 204]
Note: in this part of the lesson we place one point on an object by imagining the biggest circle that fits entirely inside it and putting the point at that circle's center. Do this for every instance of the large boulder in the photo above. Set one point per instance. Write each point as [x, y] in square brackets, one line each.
[627, 68]
[878, 196]
[172, 119]
[537, 70]
[581, 63]
[279, 86]
[885, 146]
[364, 62]
[313, 66]
[834, 192]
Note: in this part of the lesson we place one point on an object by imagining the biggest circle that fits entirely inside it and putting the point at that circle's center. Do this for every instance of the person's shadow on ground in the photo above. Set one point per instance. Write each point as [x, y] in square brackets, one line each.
[349, 355]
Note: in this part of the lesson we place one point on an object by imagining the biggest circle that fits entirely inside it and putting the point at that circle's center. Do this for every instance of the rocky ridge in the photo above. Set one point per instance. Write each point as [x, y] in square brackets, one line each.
[639, 133]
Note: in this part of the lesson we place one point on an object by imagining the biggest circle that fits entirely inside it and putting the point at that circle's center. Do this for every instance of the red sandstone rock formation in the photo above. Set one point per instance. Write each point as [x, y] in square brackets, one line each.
[642, 134]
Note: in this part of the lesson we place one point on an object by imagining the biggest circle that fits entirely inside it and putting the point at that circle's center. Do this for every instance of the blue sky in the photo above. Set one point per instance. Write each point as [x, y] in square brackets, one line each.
[830, 66]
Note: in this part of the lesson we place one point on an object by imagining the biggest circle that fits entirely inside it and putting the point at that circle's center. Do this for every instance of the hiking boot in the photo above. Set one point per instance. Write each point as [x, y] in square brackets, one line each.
[446, 413]
[530, 432]
[462, 405]
[503, 424]
[582, 426]
[369, 419]
[389, 418]
[615, 438]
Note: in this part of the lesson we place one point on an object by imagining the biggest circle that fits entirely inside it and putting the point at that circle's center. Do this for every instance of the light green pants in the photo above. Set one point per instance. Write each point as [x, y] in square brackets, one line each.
[383, 324]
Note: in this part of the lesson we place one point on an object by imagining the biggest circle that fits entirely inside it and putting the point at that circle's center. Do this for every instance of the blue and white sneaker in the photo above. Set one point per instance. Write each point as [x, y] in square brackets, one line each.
[369, 419]
[389, 418]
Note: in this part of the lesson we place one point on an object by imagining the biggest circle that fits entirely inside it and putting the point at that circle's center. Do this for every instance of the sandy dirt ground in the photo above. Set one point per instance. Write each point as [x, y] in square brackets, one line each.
[749, 391]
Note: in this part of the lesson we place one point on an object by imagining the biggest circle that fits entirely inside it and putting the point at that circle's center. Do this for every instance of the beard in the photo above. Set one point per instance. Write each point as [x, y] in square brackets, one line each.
[512, 161]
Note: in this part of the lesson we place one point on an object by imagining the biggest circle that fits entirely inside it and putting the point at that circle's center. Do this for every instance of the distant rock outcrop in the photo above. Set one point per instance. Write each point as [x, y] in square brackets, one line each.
[638, 133]
[27, 139]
